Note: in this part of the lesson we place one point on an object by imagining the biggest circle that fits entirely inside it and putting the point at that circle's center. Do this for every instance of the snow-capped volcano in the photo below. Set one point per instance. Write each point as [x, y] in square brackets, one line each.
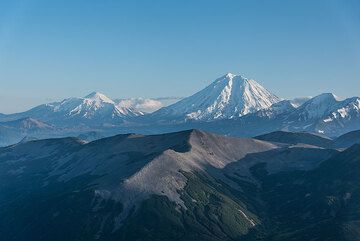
[229, 96]
[94, 109]
[95, 104]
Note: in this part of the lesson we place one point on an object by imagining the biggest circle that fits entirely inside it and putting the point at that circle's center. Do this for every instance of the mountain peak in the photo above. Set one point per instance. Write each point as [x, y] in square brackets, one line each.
[99, 97]
[326, 96]
[229, 75]
[317, 107]
[323, 100]
[229, 96]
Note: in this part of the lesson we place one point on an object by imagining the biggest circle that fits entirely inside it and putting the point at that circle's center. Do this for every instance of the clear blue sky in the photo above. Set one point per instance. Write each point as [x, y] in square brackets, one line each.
[50, 50]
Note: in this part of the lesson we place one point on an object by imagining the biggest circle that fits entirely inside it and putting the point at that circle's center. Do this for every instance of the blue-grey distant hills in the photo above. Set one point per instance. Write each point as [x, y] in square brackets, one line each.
[231, 105]
[14, 131]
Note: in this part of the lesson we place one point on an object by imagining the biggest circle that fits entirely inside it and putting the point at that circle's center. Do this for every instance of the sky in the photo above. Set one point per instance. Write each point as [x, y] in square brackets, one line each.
[51, 50]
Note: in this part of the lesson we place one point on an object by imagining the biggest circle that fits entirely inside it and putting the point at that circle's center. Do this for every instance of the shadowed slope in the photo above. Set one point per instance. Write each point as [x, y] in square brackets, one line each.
[296, 138]
[347, 139]
[178, 186]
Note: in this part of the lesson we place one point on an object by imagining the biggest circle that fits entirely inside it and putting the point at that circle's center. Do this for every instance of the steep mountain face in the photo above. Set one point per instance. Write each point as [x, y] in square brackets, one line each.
[227, 97]
[179, 186]
[93, 109]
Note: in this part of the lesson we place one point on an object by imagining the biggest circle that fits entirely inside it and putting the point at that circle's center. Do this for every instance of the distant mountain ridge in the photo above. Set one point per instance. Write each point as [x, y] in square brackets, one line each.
[323, 114]
[93, 109]
[348, 139]
[14, 131]
[303, 138]
[231, 105]
[295, 138]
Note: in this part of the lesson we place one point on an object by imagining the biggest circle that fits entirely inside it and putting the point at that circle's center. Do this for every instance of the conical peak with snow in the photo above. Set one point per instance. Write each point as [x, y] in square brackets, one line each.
[87, 106]
[93, 109]
[96, 104]
[229, 96]
[99, 97]
[230, 77]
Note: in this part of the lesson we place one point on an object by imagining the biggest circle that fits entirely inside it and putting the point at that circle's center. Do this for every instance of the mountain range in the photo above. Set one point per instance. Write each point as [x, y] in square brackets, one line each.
[323, 114]
[231, 162]
[93, 109]
[231, 105]
[188, 185]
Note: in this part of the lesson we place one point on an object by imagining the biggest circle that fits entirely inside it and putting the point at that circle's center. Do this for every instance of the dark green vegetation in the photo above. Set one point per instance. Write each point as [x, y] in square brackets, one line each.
[321, 204]
[58, 212]
[212, 213]
[317, 198]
